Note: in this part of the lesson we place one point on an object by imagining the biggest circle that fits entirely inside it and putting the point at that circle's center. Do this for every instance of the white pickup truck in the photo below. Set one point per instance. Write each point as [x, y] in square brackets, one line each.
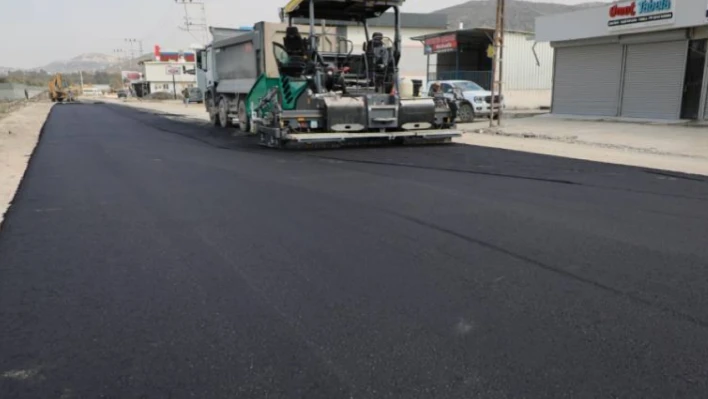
[476, 102]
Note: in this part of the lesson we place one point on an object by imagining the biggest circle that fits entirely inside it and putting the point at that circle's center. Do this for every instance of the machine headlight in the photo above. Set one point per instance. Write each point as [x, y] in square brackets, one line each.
[479, 99]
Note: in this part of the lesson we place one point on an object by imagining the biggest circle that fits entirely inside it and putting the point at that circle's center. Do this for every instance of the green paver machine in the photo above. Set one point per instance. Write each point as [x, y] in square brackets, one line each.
[280, 82]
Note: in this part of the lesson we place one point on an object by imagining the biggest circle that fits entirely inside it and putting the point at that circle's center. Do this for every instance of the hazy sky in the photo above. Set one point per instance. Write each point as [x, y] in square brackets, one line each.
[36, 32]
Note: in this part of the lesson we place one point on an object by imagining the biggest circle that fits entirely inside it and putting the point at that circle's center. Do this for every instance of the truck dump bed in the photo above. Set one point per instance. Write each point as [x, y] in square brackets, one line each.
[237, 64]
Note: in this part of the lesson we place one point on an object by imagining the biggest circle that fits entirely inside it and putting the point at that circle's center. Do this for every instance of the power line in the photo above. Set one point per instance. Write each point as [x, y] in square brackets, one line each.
[196, 23]
[132, 43]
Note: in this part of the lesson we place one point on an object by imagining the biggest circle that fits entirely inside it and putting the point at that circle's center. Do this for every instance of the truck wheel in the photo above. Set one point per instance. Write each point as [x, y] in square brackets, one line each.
[243, 124]
[213, 113]
[224, 112]
[465, 113]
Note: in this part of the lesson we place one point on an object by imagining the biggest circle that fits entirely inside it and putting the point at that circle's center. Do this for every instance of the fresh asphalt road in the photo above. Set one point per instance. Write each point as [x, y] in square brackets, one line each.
[147, 257]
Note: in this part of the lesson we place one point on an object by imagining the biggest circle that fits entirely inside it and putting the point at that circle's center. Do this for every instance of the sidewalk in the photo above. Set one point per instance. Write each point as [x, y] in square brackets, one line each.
[673, 147]
[174, 107]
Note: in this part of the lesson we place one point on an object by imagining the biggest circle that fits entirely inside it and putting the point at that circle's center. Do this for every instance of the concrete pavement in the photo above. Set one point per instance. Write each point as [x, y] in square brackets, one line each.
[676, 147]
[146, 257]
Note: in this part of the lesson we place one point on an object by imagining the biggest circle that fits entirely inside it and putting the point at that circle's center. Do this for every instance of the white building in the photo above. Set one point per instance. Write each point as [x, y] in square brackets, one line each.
[464, 54]
[165, 71]
[632, 59]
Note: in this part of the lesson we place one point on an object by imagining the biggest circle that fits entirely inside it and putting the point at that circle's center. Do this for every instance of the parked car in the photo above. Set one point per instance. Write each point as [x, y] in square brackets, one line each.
[122, 94]
[195, 95]
[472, 100]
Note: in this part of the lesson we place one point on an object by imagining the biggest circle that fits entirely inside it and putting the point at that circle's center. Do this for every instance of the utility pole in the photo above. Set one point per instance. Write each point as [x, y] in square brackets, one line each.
[119, 52]
[198, 23]
[132, 51]
[501, 60]
[496, 86]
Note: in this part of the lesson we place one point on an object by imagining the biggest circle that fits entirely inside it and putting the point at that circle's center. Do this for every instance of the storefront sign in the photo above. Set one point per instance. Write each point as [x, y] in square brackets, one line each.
[441, 44]
[131, 76]
[172, 70]
[640, 13]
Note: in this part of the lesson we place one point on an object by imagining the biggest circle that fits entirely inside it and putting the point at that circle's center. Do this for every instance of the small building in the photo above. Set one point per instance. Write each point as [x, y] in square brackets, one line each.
[634, 59]
[467, 54]
[166, 71]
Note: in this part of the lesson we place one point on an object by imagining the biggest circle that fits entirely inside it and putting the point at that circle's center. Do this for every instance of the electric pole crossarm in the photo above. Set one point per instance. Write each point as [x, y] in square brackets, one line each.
[195, 24]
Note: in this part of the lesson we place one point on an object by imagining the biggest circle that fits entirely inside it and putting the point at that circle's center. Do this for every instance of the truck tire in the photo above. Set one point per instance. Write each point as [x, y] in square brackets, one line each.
[465, 113]
[224, 112]
[213, 113]
[243, 123]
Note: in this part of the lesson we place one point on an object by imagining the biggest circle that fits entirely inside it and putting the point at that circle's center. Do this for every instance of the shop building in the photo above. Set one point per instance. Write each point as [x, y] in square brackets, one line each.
[165, 71]
[467, 54]
[634, 59]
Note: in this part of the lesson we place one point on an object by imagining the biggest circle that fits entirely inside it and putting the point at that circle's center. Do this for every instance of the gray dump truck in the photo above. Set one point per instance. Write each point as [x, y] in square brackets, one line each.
[291, 87]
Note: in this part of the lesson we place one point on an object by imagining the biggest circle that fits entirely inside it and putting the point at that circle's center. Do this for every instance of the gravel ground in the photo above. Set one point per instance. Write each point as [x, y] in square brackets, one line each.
[19, 132]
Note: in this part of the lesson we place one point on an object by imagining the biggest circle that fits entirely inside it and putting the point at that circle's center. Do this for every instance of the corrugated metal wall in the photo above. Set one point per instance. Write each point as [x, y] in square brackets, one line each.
[587, 80]
[653, 80]
[521, 72]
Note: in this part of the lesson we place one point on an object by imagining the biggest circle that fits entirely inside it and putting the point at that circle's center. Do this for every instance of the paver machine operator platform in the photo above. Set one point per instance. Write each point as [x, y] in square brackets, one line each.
[302, 93]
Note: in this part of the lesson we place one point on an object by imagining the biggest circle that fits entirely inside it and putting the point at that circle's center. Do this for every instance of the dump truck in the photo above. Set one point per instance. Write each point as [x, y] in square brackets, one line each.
[291, 87]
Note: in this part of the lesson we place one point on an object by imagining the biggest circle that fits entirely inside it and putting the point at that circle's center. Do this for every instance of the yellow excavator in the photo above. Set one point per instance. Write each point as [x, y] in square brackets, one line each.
[60, 91]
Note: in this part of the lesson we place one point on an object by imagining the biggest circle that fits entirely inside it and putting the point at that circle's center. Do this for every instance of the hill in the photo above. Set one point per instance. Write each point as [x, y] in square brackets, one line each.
[89, 62]
[519, 15]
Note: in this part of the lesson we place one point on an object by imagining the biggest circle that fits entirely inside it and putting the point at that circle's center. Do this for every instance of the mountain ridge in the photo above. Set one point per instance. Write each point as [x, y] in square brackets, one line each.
[519, 15]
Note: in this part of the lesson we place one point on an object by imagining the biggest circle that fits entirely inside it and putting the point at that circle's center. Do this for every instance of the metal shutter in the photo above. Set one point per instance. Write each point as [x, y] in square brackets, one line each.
[653, 80]
[586, 80]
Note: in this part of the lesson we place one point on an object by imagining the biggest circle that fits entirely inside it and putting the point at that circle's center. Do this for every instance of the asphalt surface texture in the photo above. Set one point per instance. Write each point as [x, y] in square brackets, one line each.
[150, 257]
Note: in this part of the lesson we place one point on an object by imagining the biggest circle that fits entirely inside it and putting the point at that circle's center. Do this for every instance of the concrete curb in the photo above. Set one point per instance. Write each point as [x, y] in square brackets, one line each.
[496, 131]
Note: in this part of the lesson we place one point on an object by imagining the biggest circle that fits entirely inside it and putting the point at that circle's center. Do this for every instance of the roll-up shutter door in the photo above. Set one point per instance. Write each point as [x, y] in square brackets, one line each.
[586, 80]
[653, 80]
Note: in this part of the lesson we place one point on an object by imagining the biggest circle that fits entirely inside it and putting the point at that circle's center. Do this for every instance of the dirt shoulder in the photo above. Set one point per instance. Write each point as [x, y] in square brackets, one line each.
[19, 134]
[169, 107]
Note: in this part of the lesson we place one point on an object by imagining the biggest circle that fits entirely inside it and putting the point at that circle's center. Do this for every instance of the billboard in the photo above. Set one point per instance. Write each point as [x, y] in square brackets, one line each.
[441, 44]
[640, 14]
[173, 69]
[131, 76]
